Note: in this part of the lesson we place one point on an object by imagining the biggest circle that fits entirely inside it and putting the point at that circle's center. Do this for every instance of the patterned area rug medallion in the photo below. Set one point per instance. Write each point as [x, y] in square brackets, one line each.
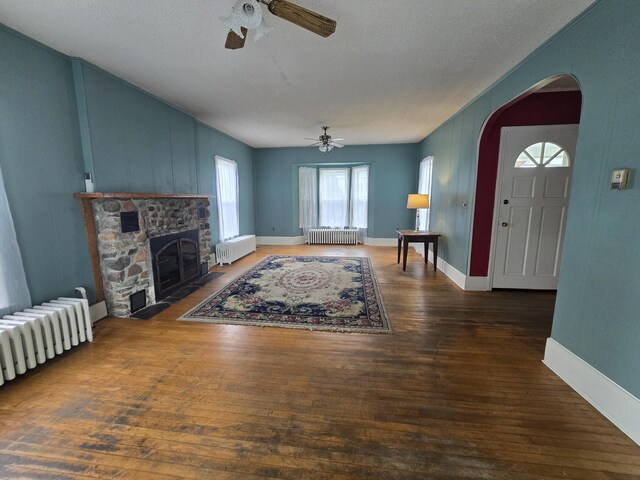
[315, 293]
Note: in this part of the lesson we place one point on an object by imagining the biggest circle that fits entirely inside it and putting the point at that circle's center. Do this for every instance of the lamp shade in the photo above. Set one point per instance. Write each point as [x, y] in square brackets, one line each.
[418, 200]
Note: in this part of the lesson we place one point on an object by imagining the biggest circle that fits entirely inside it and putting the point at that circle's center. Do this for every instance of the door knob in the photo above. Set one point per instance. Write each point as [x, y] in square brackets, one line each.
[505, 201]
[505, 224]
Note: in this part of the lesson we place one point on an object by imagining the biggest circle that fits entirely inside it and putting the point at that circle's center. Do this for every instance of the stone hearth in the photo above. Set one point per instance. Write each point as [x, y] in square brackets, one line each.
[125, 258]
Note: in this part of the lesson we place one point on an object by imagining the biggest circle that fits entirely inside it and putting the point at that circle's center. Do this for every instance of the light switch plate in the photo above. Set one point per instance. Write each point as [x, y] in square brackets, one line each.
[620, 179]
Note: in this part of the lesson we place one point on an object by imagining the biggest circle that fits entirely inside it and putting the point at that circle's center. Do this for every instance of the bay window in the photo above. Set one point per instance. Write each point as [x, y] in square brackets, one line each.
[339, 199]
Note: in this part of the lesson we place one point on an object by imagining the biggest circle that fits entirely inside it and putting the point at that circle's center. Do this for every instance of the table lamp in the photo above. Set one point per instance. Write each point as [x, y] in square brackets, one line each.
[418, 201]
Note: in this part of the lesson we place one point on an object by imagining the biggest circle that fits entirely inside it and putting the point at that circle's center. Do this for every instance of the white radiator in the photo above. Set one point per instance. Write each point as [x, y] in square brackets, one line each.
[333, 236]
[37, 334]
[231, 250]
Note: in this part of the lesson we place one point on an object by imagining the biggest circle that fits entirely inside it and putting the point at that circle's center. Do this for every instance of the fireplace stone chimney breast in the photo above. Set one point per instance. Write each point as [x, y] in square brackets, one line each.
[125, 257]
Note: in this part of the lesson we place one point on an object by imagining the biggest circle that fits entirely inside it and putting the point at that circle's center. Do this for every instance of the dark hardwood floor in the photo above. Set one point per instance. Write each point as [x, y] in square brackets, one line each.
[457, 391]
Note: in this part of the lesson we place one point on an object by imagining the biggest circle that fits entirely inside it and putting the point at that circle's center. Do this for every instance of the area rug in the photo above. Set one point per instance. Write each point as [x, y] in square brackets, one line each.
[316, 293]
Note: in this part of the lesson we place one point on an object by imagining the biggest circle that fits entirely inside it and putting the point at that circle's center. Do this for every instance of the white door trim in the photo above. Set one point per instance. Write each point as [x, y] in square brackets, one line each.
[496, 199]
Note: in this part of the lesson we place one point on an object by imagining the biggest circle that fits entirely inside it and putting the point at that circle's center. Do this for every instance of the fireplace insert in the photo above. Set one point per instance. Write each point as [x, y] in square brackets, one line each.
[176, 261]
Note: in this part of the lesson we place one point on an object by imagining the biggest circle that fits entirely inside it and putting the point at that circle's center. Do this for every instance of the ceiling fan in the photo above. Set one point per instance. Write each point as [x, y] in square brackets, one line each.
[247, 15]
[325, 142]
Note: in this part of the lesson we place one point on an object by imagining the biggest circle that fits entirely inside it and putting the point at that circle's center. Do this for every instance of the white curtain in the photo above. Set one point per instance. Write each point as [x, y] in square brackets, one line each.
[227, 198]
[359, 196]
[307, 199]
[334, 197]
[14, 294]
[424, 186]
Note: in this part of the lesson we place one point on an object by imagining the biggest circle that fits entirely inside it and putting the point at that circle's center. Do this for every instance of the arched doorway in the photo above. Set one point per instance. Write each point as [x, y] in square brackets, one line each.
[554, 101]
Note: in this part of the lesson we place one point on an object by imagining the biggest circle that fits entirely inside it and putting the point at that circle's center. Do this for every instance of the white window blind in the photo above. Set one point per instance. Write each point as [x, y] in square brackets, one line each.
[227, 198]
[14, 294]
[308, 197]
[359, 196]
[334, 197]
[424, 186]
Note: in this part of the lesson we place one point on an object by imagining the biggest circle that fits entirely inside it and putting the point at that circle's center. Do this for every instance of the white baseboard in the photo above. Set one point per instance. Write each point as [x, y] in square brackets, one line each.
[419, 248]
[472, 284]
[609, 398]
[381, 242]
[453, 273]
[280, 240]
[98, 311]
[477, 284]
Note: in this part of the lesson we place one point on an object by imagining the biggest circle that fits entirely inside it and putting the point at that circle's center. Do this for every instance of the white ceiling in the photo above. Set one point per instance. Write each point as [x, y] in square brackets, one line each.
[393, 71]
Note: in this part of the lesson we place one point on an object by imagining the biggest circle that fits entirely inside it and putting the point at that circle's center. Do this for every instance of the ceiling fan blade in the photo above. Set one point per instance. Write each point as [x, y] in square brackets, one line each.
[312, 21]
[337, 139]
[307, 138]
[339, 145]
[235, 41]
[315, 144]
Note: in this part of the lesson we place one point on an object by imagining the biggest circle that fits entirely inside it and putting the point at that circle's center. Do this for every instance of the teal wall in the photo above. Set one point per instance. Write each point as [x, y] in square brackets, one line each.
[141, 144]
[454, 147]
[60, 117]
[598, 299]
[138, 143]
[41, 161]
[392, 175]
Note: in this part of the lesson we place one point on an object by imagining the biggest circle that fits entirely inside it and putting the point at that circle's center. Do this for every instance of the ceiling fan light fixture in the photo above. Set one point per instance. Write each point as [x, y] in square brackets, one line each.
[325, 144]
[246, 14]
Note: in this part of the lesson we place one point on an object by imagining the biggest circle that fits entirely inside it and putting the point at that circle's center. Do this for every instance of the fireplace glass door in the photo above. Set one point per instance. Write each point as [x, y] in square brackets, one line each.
[176, 260]
[190, 264]
[168, 265]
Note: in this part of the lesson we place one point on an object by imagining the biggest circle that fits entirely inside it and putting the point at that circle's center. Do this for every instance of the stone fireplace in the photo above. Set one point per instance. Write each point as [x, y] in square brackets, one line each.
[127, 226]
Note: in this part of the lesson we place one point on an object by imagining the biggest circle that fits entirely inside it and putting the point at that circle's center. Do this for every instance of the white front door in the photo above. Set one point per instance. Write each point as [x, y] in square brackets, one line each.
[533, 193]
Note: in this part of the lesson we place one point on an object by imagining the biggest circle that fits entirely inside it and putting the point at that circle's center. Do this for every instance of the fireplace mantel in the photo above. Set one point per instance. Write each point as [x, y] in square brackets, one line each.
[138, 195]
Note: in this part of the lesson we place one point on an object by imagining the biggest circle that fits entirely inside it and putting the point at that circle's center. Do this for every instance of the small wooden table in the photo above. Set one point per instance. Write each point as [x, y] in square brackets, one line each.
[425, 236]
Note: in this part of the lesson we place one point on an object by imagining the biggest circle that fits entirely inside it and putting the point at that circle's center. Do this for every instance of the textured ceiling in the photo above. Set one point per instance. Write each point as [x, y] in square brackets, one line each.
[391, 73]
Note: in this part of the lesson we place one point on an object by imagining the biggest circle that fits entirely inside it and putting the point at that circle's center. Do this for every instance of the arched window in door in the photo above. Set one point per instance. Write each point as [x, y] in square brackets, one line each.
[542, 154]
